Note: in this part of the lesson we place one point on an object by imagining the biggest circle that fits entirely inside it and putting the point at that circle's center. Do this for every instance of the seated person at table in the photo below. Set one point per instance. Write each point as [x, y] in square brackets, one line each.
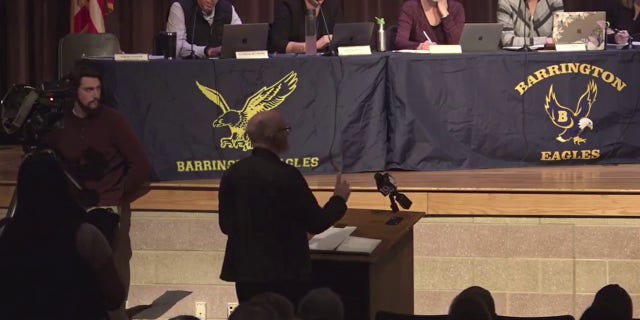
[517, 31]
[208, 18]
[287, 30]
[624, 20]
[423, 23]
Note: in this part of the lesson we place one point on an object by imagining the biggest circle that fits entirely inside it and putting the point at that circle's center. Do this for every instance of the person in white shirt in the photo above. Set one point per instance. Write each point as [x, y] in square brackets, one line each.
[198, 26]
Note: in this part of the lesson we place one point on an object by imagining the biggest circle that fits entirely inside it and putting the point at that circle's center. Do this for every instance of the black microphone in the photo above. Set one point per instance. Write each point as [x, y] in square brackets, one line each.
[386, 184]
[193, 33]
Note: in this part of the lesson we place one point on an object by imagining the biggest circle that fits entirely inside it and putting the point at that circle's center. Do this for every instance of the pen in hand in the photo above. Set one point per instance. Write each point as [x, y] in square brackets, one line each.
[426, 36]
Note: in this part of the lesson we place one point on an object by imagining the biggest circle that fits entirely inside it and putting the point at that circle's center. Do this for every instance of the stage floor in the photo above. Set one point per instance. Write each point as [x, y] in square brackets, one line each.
[592, 189]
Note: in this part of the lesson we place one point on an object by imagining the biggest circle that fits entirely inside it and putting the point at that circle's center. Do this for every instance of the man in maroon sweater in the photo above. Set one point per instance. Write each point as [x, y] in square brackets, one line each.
[100, 151]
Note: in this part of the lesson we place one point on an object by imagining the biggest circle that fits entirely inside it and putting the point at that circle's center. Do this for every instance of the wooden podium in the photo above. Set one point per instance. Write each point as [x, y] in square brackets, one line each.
[382, 280]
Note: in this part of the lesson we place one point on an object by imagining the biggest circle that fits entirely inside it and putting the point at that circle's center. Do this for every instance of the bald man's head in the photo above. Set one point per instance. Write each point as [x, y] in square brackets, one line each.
[269, 130]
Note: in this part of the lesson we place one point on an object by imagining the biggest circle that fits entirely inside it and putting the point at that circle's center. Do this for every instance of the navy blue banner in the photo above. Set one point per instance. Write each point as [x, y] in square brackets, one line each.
[389, 111]
[192, 115]
[513, 109]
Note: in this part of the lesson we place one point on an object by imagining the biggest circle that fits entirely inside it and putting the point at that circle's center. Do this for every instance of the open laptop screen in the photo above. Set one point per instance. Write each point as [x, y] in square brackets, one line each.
[481, 37]
[351, 34]
[581, 27]
[243, 37]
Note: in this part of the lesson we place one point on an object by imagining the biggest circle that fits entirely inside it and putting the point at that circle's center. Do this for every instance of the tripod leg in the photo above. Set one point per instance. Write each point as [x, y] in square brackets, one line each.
[12, 205]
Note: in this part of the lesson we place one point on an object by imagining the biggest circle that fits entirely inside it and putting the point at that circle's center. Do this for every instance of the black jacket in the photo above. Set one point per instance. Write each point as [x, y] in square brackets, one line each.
[266, 208]
[288, 22]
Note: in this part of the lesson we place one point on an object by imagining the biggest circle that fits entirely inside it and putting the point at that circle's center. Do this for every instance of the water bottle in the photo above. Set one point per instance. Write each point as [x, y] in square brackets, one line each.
[310, 32]
[382, 39]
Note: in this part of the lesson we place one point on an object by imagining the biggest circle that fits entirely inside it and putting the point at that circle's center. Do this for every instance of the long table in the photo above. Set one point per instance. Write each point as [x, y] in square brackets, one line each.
[386, 111]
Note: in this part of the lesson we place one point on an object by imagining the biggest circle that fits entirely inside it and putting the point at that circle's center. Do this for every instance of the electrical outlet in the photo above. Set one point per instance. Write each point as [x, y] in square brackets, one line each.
[201, 310]
[230, 307]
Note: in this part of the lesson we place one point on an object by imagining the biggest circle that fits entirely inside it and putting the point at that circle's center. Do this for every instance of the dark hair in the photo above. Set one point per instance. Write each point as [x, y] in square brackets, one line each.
[279, 303]
[185, 317]
[615, 298]
[482, 294]
[81, 69]
[43, 192]
[469, 308]
[253, 311]
[321, 304]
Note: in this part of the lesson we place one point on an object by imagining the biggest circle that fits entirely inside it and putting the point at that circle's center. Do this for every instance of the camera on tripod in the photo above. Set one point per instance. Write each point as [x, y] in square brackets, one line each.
[29, 113]
[386, 184]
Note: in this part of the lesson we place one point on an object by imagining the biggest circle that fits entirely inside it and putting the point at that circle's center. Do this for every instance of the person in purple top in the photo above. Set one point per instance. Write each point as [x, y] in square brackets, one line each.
[624, 19]
[423, 23]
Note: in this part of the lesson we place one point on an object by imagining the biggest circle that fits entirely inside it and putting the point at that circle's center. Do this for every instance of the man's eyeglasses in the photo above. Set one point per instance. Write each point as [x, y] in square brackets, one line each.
[286, 129]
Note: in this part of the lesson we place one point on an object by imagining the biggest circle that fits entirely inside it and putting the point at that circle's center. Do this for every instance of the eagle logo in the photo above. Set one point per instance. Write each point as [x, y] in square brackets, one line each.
[573, 122]
[265, 99]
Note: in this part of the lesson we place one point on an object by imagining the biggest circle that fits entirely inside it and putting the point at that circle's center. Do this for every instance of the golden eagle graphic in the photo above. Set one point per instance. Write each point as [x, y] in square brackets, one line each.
[265, 99]
[572, 121]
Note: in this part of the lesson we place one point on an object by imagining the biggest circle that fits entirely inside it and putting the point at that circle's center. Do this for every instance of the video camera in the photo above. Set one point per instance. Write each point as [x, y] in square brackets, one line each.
[30, 113]
[386, 184]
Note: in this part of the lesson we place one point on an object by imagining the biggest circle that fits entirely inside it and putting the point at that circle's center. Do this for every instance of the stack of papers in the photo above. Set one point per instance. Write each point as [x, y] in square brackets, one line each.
[340, 239]
[358, 244]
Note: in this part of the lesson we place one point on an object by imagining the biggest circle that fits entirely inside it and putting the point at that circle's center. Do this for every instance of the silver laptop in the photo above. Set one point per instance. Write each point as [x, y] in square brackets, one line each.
[589, 28]
[243, 37]
[481, 37]
[351, 34]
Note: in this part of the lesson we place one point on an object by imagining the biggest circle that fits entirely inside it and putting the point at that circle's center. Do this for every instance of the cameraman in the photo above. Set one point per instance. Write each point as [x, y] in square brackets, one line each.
[100, 151]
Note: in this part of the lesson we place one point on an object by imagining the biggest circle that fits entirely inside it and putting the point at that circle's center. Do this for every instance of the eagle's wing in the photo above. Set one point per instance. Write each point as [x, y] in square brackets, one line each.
[553, 108]
[586, 100]
[269, 98]
[214, 96]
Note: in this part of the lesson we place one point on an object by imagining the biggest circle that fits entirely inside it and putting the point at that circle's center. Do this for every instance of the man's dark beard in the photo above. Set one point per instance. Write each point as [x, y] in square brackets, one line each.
[90, 112]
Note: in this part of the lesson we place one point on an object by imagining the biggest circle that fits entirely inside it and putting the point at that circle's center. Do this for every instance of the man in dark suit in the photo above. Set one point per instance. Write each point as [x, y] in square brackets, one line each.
[267, 211]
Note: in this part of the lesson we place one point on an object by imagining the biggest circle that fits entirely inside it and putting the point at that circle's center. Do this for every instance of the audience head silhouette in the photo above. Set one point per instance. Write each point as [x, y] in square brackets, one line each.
[185, 317]
[252, 310]
[42, 187]
[473, 303]
[269, 130]
[612, 302]
[279, 303]
[321, 304]
[483, 294]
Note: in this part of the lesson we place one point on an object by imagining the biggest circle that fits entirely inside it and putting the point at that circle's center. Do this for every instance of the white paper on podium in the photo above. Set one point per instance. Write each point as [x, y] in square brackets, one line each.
[358, 244]
[330, 239]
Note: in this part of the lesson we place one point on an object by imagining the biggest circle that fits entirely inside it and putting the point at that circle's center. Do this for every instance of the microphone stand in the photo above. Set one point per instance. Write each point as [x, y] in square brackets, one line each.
[193, 33]
[528, 42]
[326, 28]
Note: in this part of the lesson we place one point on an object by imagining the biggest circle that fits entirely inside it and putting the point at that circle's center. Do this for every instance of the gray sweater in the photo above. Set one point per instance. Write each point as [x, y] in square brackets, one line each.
[517, 28]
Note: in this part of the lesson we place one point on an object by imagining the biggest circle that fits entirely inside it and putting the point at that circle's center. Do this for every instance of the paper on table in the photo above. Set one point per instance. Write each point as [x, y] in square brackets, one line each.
[330, 239]
[411, 51]
[515, 48]
[358, 244]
